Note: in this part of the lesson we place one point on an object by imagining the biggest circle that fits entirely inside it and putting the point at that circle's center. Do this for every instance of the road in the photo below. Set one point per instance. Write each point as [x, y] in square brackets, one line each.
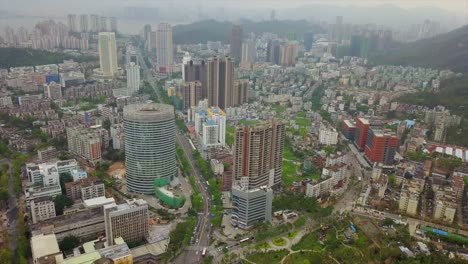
[12, 212]
[201, 237]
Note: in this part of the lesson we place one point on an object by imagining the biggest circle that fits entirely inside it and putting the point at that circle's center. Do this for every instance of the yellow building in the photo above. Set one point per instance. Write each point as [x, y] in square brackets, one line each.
[445, 205]
[409, 197]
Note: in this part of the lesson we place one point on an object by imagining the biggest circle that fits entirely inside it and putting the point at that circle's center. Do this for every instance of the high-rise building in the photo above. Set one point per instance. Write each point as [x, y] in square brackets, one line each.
[197, 72]
[108, 53]
[361, 130]
[240, 93]
[258, 154]
[273, 51]
[87, 143]
[133, 78]
[42, 208]
[308, 40]
[113, 24]
[220, 82]
[185, 60]
[149, 145]
[236, 42]
[94, 25]
[192, 94]
[128, 220]
[273, 15]
[287, 54]
[84, 25]
[131, 55]
[248, 54]
[152, 42]
[164, 50]
[210, 126]
[146, 31]
[71, 22]
[381, 146]
[103, 24]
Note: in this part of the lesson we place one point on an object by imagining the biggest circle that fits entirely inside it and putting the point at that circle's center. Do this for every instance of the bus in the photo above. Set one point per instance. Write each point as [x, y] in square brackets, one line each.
[244, 240]
[191, 144]
[203, 252]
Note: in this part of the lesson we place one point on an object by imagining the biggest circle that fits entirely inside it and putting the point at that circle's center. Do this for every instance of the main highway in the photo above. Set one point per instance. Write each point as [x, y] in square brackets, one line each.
[202, 232]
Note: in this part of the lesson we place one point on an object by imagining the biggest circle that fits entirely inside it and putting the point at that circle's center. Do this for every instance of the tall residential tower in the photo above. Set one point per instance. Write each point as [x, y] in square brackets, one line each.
[149, 145]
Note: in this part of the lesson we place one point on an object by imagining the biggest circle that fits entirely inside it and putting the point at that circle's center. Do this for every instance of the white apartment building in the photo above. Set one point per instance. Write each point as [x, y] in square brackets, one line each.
[328, 135]
[133, 78]
[42, 208]
[210, 126]
[47, 174]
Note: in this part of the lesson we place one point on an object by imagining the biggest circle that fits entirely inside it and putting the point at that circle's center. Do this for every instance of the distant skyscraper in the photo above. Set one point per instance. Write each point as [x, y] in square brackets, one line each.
[273, 52]
[308, 40]
[108, 53]
[220, 82]
[287, 54]
[72, 22]
[164, 50]
[133, 78]
[146, 31]
[131, 55]
[185, 60]
[113, 24]
[273, 15]
[197, 72]
[248, 54]
[129, 220]
[152, 42]
[149, 145]
[236, 42]
[192, 94]
[94, 27]
[84, 25]
[103, 24]
[258, 155]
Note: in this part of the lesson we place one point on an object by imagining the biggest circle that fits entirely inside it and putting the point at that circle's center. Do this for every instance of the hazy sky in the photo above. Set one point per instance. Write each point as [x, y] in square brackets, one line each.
[38, 6]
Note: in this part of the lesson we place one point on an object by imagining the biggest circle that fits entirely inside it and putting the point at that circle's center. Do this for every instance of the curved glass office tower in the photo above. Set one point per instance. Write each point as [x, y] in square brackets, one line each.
[149, 145]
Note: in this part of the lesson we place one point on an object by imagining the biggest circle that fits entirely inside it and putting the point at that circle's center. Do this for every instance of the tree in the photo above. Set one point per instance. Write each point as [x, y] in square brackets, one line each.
[6, 256]
[107, 124]
[64, 178]
[61, 201]
[69, 242]
[387, 221]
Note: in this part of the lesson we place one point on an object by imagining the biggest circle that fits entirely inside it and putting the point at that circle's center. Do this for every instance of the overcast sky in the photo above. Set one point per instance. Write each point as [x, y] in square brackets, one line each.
[35, 6]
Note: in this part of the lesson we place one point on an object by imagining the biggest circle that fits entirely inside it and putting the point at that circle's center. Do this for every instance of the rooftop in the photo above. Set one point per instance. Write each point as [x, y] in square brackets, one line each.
[44, 245]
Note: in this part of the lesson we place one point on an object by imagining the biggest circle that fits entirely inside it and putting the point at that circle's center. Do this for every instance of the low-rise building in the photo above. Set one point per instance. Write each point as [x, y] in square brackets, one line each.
[86, 188]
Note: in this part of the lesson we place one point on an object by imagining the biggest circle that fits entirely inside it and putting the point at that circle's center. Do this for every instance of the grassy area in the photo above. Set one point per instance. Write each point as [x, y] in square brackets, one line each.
[308, 258]
[289, 154]
[263, 245]
[302, 121]
[248, 122]
[268, 257]
[292, 234]
[279, 241]
[290, 172]
[230, 135]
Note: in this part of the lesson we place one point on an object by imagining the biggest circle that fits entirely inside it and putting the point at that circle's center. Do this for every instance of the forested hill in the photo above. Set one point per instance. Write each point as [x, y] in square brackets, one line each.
[14, 57]
[444, 51]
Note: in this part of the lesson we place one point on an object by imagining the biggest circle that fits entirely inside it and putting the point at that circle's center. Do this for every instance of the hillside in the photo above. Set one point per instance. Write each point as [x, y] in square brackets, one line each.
[14, 57]
[213, 30]
[444, 51]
